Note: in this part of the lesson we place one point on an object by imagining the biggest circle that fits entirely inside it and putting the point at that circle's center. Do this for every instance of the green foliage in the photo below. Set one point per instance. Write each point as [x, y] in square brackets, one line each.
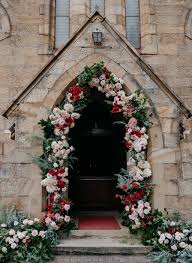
[47, 127]
[89, 73]
[184, 256]
[161, 257]
[36, 251]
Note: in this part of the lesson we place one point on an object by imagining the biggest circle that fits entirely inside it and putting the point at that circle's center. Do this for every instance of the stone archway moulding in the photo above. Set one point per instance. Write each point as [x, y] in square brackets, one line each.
[156, 143]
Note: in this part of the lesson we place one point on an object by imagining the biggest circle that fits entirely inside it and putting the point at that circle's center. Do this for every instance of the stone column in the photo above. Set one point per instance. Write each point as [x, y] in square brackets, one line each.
[79, 11]
[115, 13]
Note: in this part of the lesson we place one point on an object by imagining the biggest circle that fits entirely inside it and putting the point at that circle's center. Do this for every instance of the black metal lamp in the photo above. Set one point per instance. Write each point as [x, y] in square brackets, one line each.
[97, 37]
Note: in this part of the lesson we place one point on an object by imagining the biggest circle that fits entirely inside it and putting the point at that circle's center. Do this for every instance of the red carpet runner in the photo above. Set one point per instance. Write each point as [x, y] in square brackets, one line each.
[98, 223]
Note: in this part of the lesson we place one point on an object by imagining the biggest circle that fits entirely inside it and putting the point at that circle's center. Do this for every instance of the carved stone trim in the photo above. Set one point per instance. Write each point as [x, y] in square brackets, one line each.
[188, 24]
[5, 25]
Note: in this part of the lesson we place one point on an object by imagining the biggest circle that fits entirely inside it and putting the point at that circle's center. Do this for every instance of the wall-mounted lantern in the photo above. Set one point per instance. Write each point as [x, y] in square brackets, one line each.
[97, 37]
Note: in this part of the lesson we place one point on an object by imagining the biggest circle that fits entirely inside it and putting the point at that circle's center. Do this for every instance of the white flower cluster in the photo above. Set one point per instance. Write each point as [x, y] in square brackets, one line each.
[177, 240]
[64, 119]
[55, 220]
[136, 213]
[51, 181]
[136, 138]
[14, 237]
[140, 171]
[61, 148]
[109, 88]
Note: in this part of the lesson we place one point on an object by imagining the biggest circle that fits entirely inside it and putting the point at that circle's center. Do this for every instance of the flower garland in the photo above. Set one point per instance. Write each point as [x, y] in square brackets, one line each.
[172, 239]
[135, 184]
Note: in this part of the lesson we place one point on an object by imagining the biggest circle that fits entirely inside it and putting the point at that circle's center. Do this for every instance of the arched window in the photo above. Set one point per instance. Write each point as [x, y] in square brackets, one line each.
[62, 22]
[132, 14]
[97, 5]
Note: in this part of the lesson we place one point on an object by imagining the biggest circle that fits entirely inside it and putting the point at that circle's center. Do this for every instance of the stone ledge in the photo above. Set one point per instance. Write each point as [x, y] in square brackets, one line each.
[99, 246]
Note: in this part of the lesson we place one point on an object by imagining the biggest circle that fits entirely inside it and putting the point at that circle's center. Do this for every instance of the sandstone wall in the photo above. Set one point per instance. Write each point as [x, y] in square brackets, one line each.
[29, 43]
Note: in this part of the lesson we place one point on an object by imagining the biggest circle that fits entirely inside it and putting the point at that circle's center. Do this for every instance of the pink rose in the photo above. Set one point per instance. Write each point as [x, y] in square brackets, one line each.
[132, 123]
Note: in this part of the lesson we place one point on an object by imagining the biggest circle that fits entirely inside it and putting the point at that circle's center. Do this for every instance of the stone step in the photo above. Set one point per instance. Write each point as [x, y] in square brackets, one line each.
[122, 233]
[100, 246]
[101, 259]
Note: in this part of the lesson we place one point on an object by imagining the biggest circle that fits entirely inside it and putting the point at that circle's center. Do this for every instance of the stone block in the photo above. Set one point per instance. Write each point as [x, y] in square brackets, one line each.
[185, 188]
[167, 111]
[171, 140]
[169, 125]
[172, 171]
[166, 155]
[187, 171]
[149, 44]
[44, 29]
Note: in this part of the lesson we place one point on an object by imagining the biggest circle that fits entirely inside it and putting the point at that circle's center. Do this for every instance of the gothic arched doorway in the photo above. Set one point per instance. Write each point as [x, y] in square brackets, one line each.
[100, 154]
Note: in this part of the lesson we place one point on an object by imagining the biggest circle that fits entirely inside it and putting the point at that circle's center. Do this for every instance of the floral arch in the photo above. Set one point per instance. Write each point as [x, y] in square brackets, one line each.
[170, 239]
[135, 185]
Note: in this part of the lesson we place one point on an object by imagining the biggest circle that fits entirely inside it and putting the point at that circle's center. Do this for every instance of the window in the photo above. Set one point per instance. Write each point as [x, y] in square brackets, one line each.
[97, 5]
[62, 22]
[132, 22]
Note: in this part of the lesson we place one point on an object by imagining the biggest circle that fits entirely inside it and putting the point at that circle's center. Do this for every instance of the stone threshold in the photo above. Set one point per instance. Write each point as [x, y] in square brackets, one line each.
[99, 246]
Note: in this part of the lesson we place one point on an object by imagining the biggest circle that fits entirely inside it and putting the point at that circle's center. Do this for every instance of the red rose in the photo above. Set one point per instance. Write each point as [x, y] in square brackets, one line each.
[51, 197]
[116, 108]
[60, 184]
[137, 195]
[136, 133]
[75, 92]
[128, 144]
[49, 208]
[69, 121]
[135, 184]
[116, 196]
[124, 187]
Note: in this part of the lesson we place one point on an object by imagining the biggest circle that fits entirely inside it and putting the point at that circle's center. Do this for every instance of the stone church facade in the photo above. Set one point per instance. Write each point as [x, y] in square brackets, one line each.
[35, 74]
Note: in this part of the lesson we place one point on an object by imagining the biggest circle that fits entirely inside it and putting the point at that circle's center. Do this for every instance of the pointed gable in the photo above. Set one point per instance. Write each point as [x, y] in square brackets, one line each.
[70, 60]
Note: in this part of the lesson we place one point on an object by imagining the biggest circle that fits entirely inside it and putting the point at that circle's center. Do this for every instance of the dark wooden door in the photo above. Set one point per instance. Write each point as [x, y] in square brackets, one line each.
[100, 154]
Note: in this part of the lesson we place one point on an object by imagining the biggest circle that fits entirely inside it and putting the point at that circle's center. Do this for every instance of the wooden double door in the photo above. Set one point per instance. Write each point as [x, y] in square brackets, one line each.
[100, 154]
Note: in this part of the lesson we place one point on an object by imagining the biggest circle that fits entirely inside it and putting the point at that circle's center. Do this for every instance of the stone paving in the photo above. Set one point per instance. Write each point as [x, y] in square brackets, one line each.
[101, 259]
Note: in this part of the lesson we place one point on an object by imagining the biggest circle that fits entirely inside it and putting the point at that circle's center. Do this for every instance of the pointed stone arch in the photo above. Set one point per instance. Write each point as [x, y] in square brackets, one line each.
[156, 148]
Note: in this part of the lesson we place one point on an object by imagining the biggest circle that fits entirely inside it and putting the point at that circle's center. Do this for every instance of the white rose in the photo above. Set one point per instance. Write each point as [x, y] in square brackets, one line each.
[160, 241]
[11, 241]
[21, 235]
[68, 107]
[127, 208]
[25, 221]
[67, 207]
[166, 241]
[102, 83]
[162, 236]
[3, 225]
[42, 234]
[30, 222]
[36, 220]
[169, 236]
[190, 238]
[12, 232]
[183, 245]
[4, 249]
[147, 173]
[55, 165]
[48, 220]
[67, 219]
[54, 226]
[34, 233]
[13, 245]
[146, 211]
